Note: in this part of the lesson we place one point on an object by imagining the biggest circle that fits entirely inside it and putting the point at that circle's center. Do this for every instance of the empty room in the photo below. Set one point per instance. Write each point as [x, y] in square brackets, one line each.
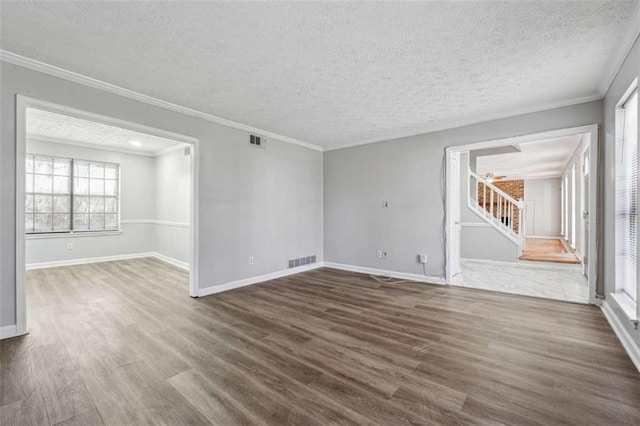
[312, 213]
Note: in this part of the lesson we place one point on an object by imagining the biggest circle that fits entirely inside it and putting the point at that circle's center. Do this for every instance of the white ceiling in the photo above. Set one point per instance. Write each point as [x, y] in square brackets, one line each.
[541, 159]
[53, 127]
[332, 73]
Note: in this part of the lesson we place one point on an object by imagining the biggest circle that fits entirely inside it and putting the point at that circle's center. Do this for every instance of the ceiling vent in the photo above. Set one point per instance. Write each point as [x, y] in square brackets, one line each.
[257, 141]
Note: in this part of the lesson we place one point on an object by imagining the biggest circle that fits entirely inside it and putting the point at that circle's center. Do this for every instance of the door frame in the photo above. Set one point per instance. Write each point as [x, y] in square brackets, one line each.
[24, 102]
[591, 130]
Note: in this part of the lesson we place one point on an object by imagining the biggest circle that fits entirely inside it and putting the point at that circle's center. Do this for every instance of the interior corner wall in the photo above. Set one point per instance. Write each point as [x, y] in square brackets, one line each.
[172, 205]
[629, 71]
[137, 202]
[265, 203]
[408, 173]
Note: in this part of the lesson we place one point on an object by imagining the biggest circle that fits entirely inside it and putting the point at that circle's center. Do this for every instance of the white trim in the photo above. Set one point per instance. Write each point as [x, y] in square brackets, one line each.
[393, 274]
[154, 222]
[100, 259]
[21, 155]
[42, 67]
[526, 264]
[544, 237]
[626, 305]
[623, 52]
[257, 279]
[625, 338]
[46, 236]
[168, 150]
[9, 331]
[475, 225]
[478, 119]
[86, 260]
[171, 260]
[51, 139]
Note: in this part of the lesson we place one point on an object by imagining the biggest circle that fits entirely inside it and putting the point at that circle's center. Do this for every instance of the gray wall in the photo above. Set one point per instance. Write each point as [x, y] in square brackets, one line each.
[137, 201]
[628, 72]
[407, 172]
[172, 204]
[544, 195]
[476, 234]
[253, 202]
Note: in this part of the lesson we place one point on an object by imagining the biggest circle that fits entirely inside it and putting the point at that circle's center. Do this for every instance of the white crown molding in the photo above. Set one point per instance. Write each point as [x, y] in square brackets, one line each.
[52, 70]
[477, 119]
[622, 53]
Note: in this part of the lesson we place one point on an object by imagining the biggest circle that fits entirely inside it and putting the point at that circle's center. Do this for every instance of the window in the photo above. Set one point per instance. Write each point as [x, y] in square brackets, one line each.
[627, 198]
[562, 209]
[68, 195]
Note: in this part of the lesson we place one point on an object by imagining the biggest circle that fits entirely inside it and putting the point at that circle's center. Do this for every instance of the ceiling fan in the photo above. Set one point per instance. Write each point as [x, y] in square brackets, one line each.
[490, 177]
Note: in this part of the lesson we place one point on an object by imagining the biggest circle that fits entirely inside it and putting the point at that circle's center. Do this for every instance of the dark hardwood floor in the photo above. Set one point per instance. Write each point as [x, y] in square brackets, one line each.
[123, 343]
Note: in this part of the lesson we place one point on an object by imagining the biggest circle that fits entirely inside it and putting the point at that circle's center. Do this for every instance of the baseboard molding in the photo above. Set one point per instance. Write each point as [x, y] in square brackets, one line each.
[257, 279]
[9, 331]
[71, 262]
[393, 274]
[623, 335]
[526, 264]
[171, 260]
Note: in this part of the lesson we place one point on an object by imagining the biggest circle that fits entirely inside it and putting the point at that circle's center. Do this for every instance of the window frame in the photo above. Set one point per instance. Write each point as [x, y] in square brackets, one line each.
[620, 295]
[72, 185]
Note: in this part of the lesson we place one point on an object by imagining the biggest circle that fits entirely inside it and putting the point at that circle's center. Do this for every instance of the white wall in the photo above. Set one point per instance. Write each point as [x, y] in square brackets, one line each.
[137, 202]
[265, 203]
[544, 197]
[172, 205]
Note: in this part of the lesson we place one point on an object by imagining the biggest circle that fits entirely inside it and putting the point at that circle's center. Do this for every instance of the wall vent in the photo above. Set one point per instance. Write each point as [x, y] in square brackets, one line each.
[257, 141]
[301, 261]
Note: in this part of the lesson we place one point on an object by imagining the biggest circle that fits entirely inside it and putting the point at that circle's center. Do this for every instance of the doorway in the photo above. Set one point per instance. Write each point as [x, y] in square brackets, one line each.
[70, 192]
[489, 192]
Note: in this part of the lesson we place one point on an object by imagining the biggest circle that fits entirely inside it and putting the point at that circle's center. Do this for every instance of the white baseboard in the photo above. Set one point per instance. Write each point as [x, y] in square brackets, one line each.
[86, 260]
[526, 264]
[171, 260]
[257, 279]
[9, 331]
[623, 335]
[394, 274]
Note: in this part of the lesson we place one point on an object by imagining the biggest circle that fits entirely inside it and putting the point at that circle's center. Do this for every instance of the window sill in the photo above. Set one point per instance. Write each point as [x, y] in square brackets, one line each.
[73, 235]
[626, 304]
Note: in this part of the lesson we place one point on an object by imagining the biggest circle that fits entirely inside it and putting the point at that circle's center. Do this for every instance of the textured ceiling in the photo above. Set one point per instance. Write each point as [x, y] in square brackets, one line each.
[540, 159]
[62, 128]
[333, 73]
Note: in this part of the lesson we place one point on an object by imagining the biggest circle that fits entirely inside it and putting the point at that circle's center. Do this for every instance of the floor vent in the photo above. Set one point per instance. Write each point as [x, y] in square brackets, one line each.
[301, 261]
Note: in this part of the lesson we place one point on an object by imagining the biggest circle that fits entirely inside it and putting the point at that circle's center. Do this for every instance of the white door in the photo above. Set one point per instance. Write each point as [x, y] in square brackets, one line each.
[455, 213]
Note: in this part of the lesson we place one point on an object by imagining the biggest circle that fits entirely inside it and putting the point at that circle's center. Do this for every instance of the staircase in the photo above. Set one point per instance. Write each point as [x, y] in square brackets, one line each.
[497, 208]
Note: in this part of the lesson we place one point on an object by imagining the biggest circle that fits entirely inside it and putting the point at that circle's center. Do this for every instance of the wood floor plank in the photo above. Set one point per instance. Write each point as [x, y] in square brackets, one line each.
[121, 343]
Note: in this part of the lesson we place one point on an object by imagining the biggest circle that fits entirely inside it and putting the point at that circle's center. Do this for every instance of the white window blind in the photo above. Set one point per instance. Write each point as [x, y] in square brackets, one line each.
[627, 201]
[65, 195]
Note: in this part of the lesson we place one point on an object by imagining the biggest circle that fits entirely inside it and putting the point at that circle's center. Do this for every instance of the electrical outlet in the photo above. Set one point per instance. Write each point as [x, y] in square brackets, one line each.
[384, 254]
[250, 260]
[422, 258]
[379, 254]
[69, 246]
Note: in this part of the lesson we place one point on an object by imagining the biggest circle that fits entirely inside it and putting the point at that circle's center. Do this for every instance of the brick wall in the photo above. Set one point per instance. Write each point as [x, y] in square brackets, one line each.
[514, 188]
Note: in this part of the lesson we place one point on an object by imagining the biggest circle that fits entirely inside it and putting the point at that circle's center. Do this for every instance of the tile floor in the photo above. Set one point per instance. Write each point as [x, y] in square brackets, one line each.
[562, 282]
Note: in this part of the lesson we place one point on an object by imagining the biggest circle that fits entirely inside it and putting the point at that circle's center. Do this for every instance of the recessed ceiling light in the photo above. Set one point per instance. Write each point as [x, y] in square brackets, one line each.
[135, 143]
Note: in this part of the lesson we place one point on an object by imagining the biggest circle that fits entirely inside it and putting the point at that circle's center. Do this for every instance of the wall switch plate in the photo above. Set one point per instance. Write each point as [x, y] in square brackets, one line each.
[69, 246]
[250, 260]
[379, 254]
[422, 258]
